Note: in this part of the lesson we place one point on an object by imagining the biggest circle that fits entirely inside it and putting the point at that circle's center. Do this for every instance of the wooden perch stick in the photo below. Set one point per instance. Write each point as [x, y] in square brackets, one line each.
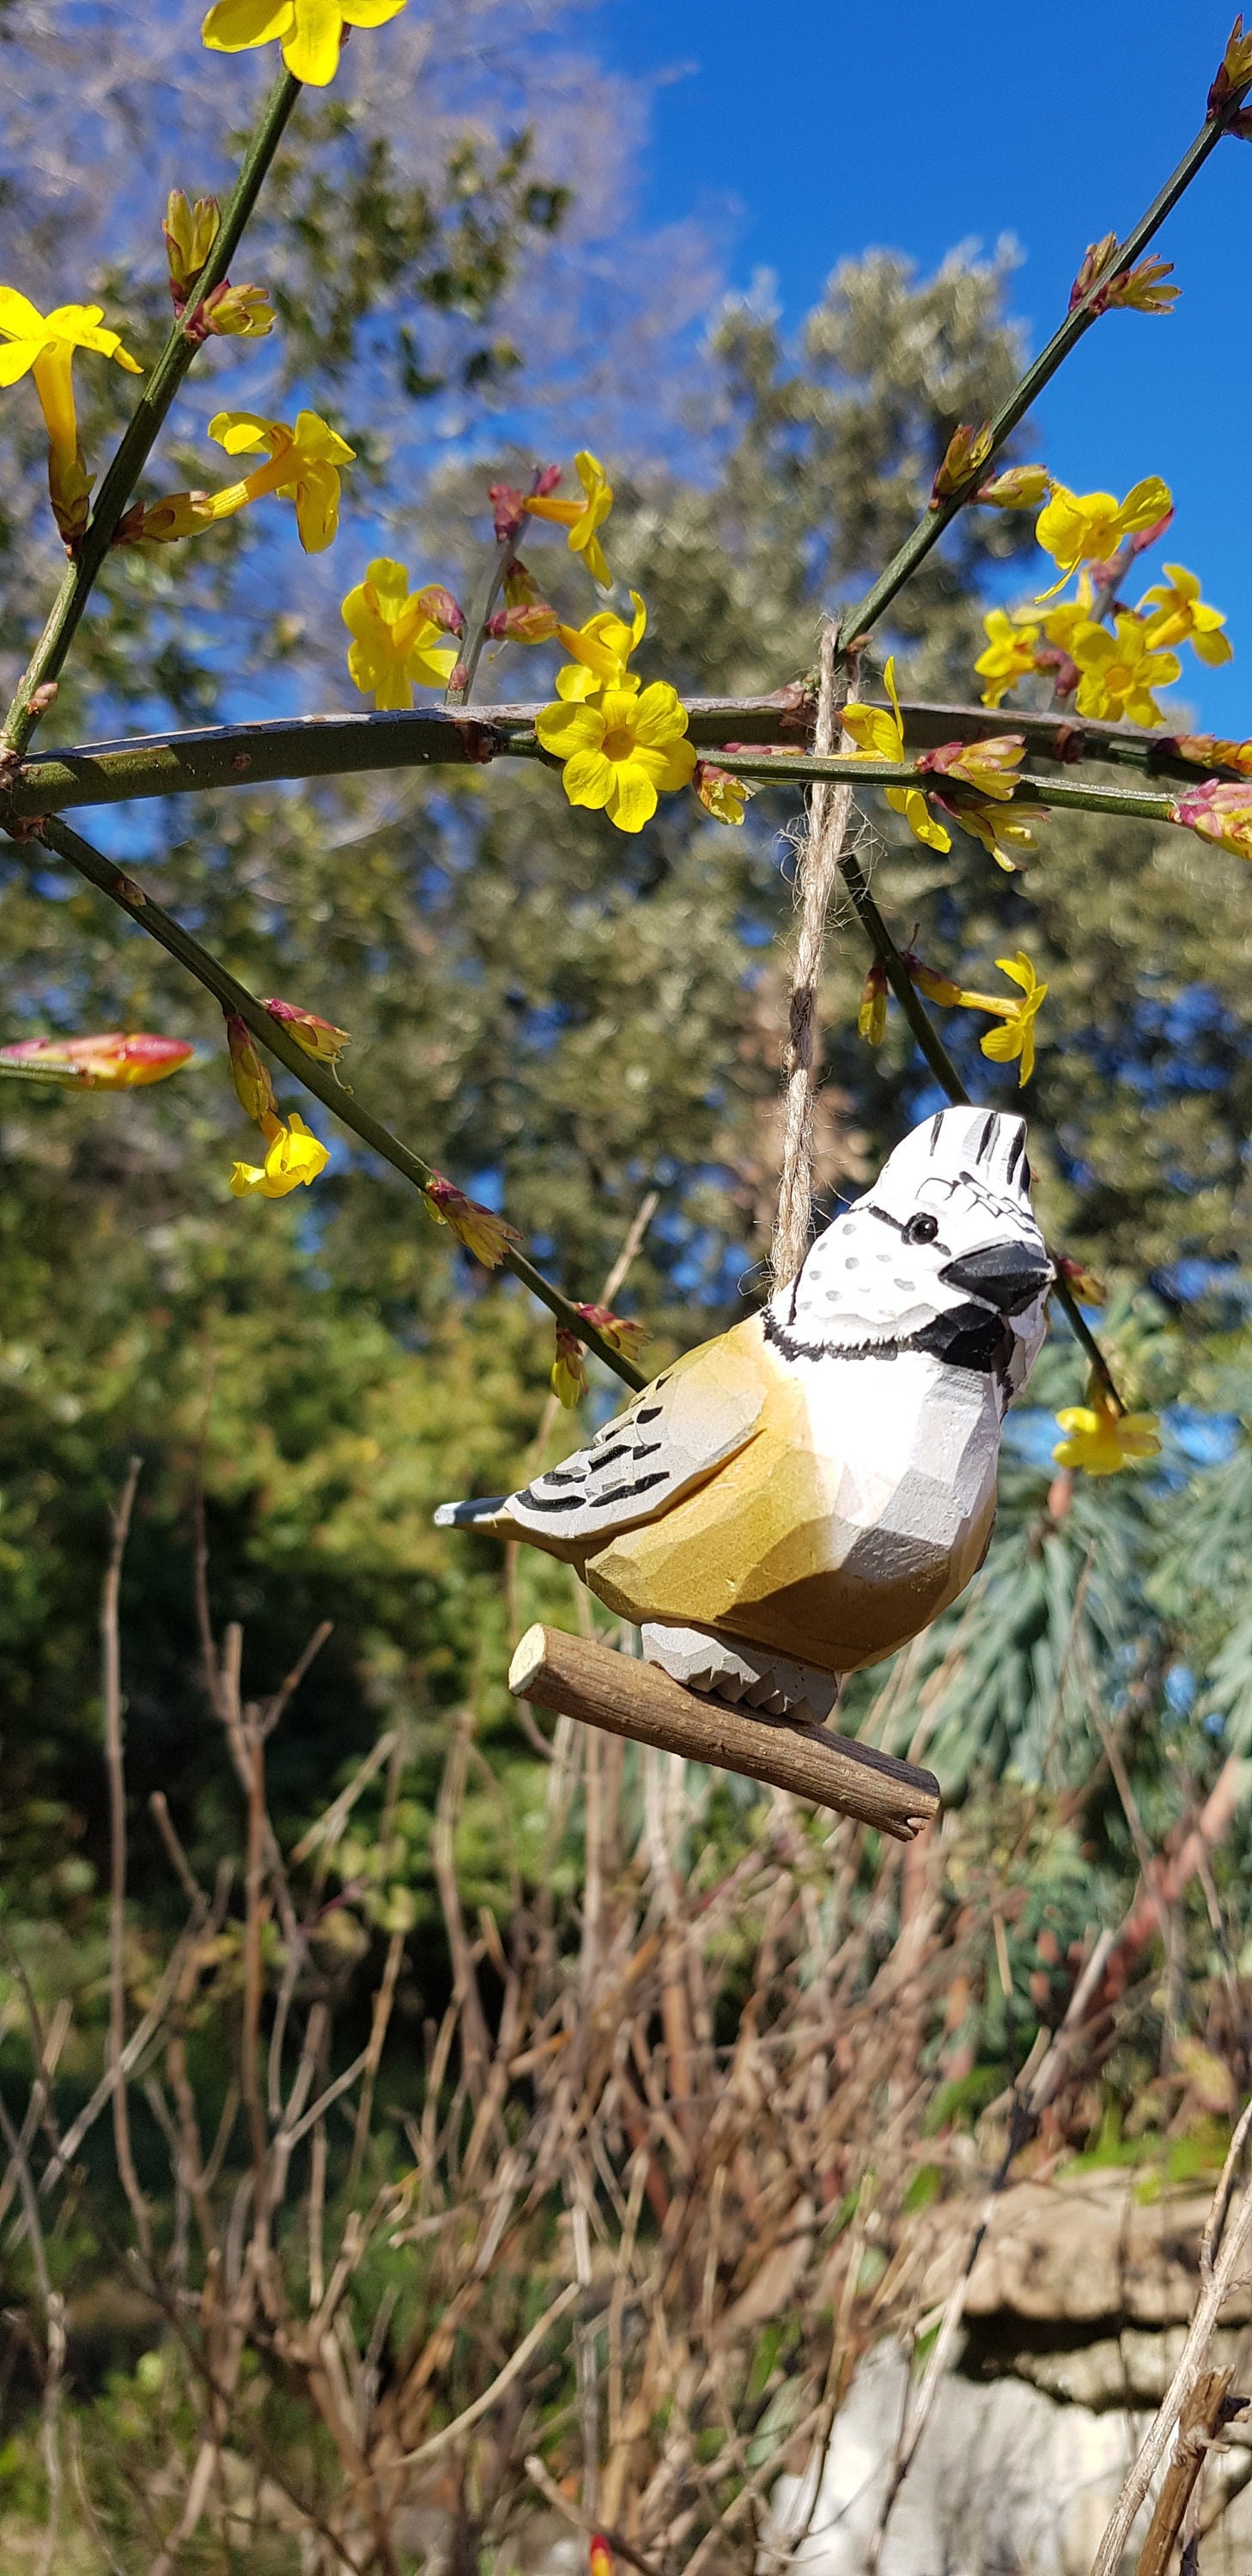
[577, 1678]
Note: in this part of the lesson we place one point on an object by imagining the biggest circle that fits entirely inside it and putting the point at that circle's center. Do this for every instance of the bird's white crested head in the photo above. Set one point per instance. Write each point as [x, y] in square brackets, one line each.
[942, 1255]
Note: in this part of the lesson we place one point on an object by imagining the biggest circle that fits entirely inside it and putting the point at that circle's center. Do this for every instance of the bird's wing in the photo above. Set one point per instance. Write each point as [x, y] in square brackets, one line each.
[682, 1427]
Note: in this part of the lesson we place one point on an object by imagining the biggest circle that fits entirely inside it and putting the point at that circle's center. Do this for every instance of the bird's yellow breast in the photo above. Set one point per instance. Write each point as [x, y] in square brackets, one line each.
[857, 1510]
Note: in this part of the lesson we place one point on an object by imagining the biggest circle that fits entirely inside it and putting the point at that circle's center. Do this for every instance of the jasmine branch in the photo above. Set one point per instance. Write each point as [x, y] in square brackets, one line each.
[216, 979]
[255, 755]
[144, 427]
[857, 621]
[503, 558]
[941, 1065]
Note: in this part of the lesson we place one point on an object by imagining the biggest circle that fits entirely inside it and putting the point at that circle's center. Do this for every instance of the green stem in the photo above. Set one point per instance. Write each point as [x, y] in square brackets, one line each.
[856, 622]
[161, 926]
[1027, 788]
[254, 755]
[47, 1073]
[145, 425]
[949, 1080]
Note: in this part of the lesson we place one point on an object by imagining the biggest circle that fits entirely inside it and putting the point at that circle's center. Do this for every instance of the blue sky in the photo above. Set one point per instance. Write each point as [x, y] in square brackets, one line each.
[809, 133]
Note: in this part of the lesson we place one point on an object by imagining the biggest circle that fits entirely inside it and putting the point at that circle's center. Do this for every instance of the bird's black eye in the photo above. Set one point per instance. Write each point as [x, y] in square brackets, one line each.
[921, 1229]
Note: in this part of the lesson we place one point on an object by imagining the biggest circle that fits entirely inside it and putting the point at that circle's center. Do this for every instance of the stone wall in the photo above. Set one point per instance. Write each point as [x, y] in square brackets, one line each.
[1075, 2317]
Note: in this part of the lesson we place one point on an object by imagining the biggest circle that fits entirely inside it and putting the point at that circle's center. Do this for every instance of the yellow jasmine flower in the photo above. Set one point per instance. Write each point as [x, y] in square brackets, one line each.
[998, 829]
[1062, 624]
[722, 794]
[601, 649]
[569, 1369]
[1120, 671]
[294, 1157]
[1088, 527]
[1219, 813]
[880, 736]
[1010, 654]
[482, 1232]
[1020, 487]
[309, 31]
[319, 1038]
[44, 345]
[582, 518]
[620, 753]
[1101, 1439]
[871, 1017]
[114, 1062]
[303, 466]
[1017, 1036]
[1180, 612]
[395, 641]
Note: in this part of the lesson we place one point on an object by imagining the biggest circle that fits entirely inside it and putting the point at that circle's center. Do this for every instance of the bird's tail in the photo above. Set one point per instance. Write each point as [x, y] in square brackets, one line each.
[488, 1512]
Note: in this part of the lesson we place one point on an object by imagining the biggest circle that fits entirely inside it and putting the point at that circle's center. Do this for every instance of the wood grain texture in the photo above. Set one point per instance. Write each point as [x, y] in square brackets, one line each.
[574, 1677]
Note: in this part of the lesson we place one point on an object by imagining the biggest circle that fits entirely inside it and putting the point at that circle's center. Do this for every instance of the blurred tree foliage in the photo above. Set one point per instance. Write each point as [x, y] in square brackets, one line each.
[560, 1017]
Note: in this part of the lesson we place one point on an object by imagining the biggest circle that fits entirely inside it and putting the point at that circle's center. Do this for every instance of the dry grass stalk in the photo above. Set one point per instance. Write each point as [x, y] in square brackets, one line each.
[655, 2200]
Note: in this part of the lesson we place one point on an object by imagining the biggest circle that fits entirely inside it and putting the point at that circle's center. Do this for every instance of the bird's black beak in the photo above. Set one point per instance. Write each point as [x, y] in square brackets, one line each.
[1008, 1276]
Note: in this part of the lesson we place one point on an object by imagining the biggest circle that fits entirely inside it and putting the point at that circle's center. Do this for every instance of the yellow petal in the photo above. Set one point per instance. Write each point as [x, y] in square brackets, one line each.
[658, 715]
[889, 677]
[19, 318]
[242, 432]
[633, 799]
[566, 728]
[317, 508]
[594, 557]
[311, 49]
[588, 779]
[235, 25]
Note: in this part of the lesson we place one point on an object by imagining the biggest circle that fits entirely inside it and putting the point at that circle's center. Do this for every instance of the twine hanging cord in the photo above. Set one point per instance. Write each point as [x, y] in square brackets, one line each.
[825, 843]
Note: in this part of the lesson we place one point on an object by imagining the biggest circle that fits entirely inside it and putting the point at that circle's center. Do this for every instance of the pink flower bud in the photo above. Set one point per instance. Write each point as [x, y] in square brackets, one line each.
[529, 625]
[482, 1232]
[115, 1062]
[441, 608]
[509, 508]
[318, 1037]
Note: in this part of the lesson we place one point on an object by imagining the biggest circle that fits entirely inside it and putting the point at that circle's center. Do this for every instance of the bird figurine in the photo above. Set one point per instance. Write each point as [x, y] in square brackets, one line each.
[802, 1495]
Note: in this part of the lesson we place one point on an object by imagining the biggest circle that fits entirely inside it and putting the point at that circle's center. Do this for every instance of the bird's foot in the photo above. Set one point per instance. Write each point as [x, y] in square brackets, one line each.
[745, 1676]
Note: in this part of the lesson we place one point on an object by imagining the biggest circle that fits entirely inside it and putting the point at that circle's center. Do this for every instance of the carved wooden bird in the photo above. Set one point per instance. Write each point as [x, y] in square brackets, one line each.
[802, 1495]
